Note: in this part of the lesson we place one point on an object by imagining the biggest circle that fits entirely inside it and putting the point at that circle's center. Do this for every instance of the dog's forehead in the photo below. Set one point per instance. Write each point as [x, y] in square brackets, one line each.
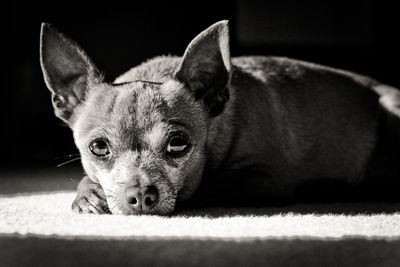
[133, 105]
[133, 108]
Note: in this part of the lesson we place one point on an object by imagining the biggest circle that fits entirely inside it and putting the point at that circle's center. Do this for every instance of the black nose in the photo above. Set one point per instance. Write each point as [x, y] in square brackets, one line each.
[142, 199]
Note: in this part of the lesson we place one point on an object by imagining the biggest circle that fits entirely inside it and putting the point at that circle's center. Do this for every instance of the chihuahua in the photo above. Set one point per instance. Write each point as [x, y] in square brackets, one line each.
[147, 139]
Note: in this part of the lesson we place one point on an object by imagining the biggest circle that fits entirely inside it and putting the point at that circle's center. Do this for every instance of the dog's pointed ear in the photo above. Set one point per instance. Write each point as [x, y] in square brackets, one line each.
[205, 67]
[67, 70]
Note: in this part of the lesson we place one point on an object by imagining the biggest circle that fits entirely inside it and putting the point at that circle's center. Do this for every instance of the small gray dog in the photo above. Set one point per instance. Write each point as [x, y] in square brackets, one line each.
[147, 139]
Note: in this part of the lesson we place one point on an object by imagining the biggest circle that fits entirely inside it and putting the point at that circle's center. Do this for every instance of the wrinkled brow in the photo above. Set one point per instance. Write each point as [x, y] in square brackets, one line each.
[178, 122]
[143, 81]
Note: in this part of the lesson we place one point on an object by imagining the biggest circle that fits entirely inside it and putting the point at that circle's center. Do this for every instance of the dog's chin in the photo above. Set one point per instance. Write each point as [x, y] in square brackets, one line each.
[160, 209]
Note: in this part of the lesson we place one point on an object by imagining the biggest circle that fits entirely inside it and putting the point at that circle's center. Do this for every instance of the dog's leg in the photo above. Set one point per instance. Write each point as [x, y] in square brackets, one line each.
[90, 198]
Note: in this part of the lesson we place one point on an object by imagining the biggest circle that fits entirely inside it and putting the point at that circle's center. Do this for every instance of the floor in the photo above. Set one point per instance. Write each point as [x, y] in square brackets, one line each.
[36, 222]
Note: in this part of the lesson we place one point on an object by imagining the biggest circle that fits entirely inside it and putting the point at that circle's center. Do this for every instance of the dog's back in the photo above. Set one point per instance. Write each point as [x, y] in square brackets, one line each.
[311, 121]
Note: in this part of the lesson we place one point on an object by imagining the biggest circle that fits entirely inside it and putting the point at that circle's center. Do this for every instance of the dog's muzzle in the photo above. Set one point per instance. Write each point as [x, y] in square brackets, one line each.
[142, 199]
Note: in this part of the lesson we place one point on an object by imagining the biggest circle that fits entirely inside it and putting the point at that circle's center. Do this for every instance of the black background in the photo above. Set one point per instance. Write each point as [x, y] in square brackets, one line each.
[355, 35]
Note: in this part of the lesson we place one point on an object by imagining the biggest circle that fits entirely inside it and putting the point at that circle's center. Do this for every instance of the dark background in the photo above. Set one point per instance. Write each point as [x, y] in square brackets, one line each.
[355, 35]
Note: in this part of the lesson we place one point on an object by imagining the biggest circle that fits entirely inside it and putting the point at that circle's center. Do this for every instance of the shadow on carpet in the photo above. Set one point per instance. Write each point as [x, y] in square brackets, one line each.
[35, 251]
[39, 229]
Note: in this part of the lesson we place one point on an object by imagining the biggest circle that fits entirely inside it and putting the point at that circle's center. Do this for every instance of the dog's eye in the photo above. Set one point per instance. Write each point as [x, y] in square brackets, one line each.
[177, 145]
[99, 148]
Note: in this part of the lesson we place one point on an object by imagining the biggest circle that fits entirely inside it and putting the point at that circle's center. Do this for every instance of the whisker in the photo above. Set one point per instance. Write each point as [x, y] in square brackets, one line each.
[74, 179]
[69, 161]
[110, 208]
[108, 191]
[67, 156]
[113, 206]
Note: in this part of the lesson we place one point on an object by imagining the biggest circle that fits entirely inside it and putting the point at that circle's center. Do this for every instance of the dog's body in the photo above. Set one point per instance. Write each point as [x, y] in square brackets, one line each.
[286, 121]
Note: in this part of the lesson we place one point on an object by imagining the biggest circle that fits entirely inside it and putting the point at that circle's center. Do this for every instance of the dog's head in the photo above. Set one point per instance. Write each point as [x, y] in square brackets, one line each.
[142, 138]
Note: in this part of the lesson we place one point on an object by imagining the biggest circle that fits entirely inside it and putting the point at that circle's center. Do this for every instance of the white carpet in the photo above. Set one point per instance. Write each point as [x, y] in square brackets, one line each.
[39, 229]
[49, 214]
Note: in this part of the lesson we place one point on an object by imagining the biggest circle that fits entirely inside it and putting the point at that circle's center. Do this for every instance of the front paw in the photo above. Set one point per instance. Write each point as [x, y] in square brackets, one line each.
[90, 199]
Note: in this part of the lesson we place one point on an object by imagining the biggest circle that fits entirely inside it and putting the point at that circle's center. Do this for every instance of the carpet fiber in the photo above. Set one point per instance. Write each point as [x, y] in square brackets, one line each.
[50, 215]
[41, 227]
[37, 228]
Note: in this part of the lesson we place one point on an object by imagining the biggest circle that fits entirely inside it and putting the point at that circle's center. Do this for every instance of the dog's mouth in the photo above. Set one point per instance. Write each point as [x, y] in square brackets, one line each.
[156, 199]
